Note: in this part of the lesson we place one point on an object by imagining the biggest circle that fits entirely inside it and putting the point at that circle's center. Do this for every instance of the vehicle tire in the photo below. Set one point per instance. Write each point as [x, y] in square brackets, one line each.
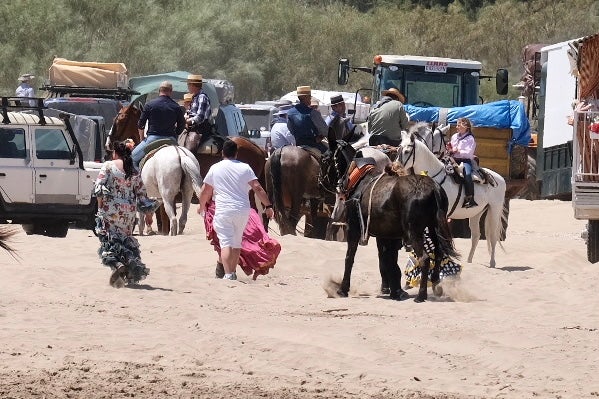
[530, 190]
[58, 229]
[593, 241]
[30, 228]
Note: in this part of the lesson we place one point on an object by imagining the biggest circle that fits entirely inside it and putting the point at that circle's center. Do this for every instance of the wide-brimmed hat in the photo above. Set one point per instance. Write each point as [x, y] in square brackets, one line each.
[304, 91]
[283, 109]
[25, 78]
[314, 102]
[187, 97]
[194, 79]
[393, 92]
[338, 99]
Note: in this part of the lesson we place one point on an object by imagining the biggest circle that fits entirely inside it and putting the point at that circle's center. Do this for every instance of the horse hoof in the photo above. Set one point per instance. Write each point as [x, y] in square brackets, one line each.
[385, 290]
[418, 299]
[151, 233]
[437, 290]
[400, 295]
[342, 294]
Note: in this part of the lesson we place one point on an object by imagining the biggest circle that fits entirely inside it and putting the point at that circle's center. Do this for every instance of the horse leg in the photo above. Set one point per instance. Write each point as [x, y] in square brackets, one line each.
[353, 237]
[171, 212]
[162, 220]
[310, 230]
[493, 229]
[424, 261]
[474, 224]
[186, 194]
[388, 250]
[438, 257]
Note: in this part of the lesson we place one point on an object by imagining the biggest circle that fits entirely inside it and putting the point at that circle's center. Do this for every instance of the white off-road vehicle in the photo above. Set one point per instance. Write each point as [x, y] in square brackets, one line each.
[44, 183]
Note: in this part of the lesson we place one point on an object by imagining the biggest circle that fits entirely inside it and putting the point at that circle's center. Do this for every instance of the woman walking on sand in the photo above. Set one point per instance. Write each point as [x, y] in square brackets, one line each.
[121, 194]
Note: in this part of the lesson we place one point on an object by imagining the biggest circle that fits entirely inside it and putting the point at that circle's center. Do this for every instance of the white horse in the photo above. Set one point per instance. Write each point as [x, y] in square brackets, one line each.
[172, 170]
[415, 154]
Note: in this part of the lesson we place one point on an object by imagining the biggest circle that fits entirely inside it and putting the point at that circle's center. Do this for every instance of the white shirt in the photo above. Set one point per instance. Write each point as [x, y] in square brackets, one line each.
[24, 90]
[280, 135]
[230, 180]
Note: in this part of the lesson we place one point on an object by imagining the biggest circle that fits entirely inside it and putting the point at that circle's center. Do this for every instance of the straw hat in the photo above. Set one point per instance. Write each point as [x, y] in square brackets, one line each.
[187, 97]
[314, 102]
[304, 91]
[25, 78]
[194, 79]
[393, 92]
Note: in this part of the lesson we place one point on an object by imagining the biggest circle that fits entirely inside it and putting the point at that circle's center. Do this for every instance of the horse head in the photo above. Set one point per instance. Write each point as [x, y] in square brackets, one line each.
[124, 126]
[434, 139]
[407, 149]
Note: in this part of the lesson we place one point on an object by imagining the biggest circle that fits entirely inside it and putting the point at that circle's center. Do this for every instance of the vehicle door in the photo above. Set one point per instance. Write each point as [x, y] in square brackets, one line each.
[16, 173]
[55, 171]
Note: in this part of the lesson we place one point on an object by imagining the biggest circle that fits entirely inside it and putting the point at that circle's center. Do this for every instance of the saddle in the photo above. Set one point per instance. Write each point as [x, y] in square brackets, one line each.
[152, 149]
[456, 171]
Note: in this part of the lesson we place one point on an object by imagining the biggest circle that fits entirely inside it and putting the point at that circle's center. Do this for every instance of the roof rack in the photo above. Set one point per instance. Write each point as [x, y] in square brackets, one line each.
[116, 93]
[22, 103]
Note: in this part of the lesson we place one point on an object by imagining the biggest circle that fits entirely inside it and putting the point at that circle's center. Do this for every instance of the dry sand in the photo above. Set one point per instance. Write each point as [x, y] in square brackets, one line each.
[527, 329]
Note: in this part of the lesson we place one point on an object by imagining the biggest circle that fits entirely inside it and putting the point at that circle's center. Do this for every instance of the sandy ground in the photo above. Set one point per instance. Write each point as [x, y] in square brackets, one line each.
[526, 329]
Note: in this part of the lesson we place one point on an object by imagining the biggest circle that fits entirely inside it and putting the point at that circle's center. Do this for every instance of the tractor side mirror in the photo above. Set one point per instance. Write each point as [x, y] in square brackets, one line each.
[501, 80]
[343, 71]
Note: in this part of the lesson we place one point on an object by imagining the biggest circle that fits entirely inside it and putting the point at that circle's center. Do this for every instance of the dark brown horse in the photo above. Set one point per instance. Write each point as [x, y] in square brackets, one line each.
[292, 178]
[396, 210]
[5, 234]
[125, 126]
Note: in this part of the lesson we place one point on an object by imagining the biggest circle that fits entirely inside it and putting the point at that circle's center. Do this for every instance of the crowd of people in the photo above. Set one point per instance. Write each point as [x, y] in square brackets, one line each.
[231, 224]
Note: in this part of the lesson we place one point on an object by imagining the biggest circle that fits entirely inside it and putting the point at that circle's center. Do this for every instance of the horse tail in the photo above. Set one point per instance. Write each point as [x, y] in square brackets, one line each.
[495, 226]
[191, 167]
[442, 226]
[276, 193]
[5, 234]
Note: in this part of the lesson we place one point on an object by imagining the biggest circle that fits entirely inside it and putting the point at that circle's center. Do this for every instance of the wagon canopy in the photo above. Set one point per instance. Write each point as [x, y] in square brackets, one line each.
[504, 114]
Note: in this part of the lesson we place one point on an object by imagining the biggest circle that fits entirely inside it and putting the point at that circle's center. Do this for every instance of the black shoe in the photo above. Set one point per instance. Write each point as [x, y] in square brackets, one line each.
[220, 270]
[469, 203]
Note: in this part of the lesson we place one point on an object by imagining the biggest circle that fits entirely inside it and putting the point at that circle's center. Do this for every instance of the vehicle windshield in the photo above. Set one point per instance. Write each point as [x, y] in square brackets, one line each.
[428, 88]
[257, 118]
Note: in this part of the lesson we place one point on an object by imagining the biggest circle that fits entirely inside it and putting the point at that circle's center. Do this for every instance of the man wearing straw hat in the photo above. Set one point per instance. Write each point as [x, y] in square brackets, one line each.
[305, 123]
[388, 118]
[24, 89]
[200, 113]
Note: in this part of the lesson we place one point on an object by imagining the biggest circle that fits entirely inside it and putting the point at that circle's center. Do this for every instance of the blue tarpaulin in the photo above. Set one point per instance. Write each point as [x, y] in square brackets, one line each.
[504, 114]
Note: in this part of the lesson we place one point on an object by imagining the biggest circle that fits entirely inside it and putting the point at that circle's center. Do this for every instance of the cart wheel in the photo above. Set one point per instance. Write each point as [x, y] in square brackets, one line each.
[593, 241]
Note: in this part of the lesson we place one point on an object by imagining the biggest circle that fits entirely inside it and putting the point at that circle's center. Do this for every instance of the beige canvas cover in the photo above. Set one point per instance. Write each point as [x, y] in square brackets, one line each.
[101, 75]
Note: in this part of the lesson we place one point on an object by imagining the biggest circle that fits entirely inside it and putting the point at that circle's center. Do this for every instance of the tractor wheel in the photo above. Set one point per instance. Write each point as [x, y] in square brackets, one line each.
[593, 241]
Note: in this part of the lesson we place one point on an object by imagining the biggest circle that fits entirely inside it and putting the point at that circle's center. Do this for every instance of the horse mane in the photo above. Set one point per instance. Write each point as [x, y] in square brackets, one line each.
[418, 128]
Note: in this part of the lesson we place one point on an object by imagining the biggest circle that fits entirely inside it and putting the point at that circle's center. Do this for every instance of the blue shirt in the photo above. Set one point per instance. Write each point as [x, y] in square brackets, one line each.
[200, 110]
[164, 116]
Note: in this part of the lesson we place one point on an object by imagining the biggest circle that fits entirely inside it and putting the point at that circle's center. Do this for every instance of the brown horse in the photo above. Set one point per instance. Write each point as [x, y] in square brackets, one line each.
[125, 127]
[292, 177]
[5, 234]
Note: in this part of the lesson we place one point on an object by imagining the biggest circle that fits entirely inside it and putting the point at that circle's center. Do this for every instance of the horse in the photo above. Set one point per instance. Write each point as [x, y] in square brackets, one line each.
[125, 127]
[490, 196]
[170, 171]
[292, 175]
[394, 209]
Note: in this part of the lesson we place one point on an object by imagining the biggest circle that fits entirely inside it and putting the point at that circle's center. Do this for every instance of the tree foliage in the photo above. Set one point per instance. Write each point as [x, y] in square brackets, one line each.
[268, 47]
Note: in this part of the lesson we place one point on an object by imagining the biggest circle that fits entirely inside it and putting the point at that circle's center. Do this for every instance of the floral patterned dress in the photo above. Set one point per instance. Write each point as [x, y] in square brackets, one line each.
[122, 198]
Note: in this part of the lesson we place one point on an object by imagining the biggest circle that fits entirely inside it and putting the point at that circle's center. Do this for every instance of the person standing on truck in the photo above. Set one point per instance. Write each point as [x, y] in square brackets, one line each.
[388, 118]
[24, 89]
[461, 148]
[121, 193]
[165, 119]
[200, 114]
[339, 122]
[306, 124]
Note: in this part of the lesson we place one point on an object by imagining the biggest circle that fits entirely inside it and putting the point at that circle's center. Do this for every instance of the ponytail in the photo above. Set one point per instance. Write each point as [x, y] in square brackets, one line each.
[124, 152]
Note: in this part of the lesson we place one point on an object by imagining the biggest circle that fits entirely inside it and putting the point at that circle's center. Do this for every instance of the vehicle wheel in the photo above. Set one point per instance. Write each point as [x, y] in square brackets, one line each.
[58, 229]
[530, 190]
[30, 228]
[593, 241]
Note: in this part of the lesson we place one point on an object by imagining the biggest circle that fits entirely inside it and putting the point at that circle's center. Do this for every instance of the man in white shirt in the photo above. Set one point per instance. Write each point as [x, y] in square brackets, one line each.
[230, 180]
[24, 89]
